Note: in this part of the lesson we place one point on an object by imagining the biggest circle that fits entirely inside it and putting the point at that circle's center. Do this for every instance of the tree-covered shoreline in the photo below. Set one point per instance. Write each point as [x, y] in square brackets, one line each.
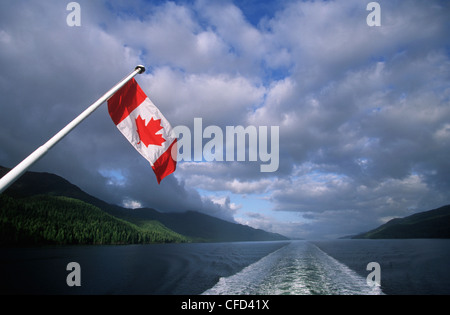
[58, 220]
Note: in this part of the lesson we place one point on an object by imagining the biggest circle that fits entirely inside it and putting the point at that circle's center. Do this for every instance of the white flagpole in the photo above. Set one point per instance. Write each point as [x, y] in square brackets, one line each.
[21, 168]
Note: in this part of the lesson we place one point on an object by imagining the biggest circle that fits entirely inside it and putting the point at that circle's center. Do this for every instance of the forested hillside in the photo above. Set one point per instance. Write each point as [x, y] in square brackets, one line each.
[427, 224]
[43, 208]
[42, 220]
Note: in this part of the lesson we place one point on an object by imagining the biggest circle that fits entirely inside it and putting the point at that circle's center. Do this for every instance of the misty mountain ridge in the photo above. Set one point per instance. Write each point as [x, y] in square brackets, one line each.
[192, 225]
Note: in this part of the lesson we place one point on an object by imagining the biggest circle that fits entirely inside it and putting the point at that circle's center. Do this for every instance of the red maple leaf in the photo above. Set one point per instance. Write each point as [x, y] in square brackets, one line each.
[147, 133]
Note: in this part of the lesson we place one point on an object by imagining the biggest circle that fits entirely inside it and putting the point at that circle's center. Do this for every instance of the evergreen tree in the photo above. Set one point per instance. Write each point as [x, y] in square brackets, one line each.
[40, 220]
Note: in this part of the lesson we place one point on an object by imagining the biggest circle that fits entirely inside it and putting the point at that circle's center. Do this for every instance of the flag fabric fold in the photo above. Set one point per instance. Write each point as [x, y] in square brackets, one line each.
[145, 127]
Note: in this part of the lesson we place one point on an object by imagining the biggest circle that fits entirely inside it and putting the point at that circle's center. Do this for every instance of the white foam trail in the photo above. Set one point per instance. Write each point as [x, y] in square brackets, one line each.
[298, 268]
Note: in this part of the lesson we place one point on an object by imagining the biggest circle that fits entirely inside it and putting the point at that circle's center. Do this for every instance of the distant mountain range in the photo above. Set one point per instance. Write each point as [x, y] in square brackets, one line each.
[429, 224]
[43, 208]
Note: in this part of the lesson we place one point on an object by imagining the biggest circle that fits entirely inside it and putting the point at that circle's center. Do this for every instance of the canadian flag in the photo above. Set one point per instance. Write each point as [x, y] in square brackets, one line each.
[141, 122]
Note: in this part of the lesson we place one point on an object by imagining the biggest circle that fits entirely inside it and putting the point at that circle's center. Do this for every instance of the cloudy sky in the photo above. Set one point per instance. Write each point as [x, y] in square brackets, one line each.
[363, 112]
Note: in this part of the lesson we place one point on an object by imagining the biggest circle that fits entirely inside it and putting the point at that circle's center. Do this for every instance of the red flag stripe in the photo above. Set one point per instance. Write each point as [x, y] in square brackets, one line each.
[165, 164]
[128, 98]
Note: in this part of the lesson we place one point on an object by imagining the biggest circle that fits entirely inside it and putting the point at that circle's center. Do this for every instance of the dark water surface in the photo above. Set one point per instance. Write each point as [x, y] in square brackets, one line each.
[408, 266]
[292, 267]
[132, 269]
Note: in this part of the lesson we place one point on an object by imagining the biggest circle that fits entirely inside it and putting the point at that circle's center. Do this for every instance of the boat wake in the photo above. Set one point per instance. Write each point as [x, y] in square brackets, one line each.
[299, 268]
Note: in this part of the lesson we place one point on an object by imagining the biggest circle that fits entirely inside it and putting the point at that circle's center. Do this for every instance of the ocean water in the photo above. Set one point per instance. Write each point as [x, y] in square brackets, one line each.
[159, 269]
[335, 267]
[408, 266]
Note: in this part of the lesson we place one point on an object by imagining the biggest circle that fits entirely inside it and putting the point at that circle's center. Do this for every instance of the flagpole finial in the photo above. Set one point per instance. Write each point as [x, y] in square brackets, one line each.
[141, 69]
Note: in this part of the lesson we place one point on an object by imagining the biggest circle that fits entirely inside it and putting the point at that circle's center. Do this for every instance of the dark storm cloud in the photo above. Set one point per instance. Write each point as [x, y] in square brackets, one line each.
[50, 74]
[363, 111]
